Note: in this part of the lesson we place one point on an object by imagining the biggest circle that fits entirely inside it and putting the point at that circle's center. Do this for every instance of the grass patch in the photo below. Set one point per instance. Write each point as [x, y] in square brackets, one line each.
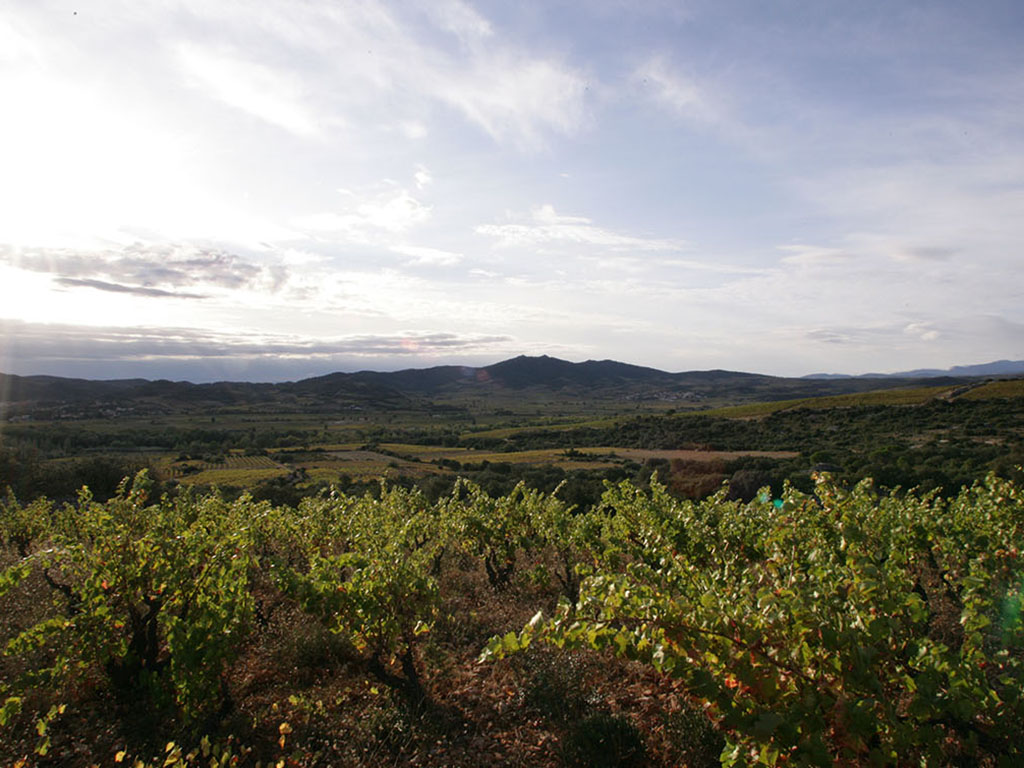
[560, 427]
[996, 389]
[244, 478]
[911, 396]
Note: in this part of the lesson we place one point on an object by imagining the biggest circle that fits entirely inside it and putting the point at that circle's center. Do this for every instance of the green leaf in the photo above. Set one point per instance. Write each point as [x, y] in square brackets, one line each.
[10, 709]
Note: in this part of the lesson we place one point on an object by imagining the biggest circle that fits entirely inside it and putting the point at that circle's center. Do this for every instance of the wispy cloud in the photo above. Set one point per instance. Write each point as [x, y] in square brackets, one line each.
[545, 226]
[34, 346]
[423, 256]
[368, 217]
[369, 50]
[422, 177]
[813, 256]
[975, 337]
[101, 285]
[925, 253]
[675, 91]
[514, 97]
[264, 92]
[462, 20]
[149, 269]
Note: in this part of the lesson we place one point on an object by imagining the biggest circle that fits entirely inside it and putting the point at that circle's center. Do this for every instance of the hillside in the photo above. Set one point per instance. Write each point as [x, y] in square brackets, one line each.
[995, 368]
[415, 389]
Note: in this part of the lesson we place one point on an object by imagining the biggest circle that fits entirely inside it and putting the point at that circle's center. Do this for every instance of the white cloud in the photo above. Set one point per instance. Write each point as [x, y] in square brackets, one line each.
[149, 269]
[931, 343]
[923, 331]
[79, 161]
[460, 19]
[422, 177]
[544, 226]
[924, 253]
[366, 55]
[296, 257]
[673, 90]
[264, 92]
[35, 347]
[394, 213]
[14, 45]
[368, 218]
[413, 129]
[513, 97]
[812, 255]
[422, 256]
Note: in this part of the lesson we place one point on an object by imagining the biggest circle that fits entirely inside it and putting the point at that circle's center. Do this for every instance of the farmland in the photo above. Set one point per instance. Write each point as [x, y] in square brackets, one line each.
[302, 647]
[929, 435]
[646, 630]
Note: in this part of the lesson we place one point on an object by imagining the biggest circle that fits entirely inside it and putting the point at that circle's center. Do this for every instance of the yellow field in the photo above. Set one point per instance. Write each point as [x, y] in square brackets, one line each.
[914, 396]
[233, 463]
[333, 461]
[319, 446]
[507, 431]
[426, 452]
[641, 454]
[239, 477]
[996, 389]
[361, 472]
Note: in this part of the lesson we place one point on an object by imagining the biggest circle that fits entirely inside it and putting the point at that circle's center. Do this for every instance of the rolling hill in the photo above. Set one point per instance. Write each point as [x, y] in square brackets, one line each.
[522, 376]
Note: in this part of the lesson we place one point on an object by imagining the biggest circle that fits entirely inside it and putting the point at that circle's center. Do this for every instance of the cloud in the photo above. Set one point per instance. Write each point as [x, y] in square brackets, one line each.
[149, 269]
[880, 277]
[393, 213]
[413, 129]
[923, 331]
[544, 226]
[422, 177]
[422, 256]
[31, 343]
[367, 218]
[925, 253]
[829, 336]
[812, 255]
[460, 19]
[361, 59]
[100, 285]
[680, 94]
[15, 45]
[512, 97]
[869, 336]
[261, 91]
[914, 344]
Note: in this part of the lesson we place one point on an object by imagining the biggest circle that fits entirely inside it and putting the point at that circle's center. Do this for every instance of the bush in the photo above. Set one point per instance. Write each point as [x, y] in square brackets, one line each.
[603, 741]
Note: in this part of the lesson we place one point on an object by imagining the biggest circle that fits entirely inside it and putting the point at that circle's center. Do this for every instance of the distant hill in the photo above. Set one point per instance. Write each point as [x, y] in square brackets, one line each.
[997, 368]
[523, 371]
[524, 376]
[56, 388]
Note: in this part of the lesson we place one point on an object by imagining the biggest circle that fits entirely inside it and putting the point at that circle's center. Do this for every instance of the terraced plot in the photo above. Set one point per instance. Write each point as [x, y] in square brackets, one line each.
[232, 470]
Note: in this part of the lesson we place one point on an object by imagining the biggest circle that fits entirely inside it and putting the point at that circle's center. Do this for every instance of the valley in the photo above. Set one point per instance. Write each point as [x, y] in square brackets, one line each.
[541, 420]
[553, 564]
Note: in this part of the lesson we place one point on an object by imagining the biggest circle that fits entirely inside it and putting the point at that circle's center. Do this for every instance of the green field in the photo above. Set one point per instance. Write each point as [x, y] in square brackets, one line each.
[929, 436]
[913, 396]
[1010, 388]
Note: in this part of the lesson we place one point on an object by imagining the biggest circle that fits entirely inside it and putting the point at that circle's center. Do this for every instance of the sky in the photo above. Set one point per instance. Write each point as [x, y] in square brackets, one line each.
[265, 191]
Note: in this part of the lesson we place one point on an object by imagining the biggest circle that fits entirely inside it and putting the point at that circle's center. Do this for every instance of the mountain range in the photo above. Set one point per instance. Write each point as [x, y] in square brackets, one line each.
[997, 368]
[521, 376]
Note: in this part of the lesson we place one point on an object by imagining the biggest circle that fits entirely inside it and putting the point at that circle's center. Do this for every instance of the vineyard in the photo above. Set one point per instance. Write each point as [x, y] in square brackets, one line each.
[840, 626]
[183, 468]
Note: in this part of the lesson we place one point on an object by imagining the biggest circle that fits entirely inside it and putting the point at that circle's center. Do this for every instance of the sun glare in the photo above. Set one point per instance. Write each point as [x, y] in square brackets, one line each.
[79, 166]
